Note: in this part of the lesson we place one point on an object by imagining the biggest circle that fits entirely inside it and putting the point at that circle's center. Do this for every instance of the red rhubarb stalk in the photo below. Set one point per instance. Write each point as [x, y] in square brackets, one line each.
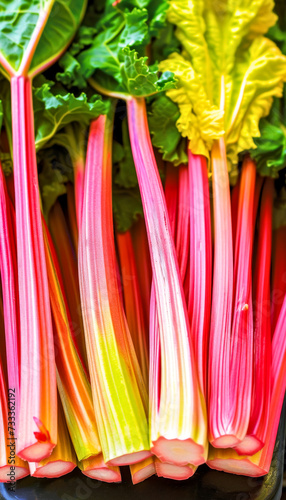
[143, 265]
[9, 280]
[178, 428]
[260, 400]
[132, 301]
[279, 274]
[183, 221]
[242, 321]
[37, 432]
[222, 430]
[200, 262]
[69, 272]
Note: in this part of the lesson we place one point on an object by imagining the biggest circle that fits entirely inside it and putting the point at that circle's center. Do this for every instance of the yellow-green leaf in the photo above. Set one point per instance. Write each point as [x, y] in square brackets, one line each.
[227, 71]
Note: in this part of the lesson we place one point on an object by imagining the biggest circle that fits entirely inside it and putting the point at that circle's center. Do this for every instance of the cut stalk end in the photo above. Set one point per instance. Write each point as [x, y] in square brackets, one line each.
[36, 452]
[53, 469]
[241, 467]
[176, 472]
[130, 458]
[225, 441]
[249, 446]
[7, 477]
[178, 451]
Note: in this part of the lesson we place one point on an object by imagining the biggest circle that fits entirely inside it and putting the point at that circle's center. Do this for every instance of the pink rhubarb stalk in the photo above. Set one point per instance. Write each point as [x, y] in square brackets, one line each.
[260, 400]
[119, 395]
[183, 221]
[259, 464]
[242, 321]
[200, 280]
[37, 431]
[9, 280]
[7, 429]
[62, 460]
[178, 424]
[223, 430]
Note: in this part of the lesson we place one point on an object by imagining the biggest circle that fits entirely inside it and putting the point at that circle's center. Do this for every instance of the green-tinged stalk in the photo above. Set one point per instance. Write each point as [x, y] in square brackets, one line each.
[119, 396]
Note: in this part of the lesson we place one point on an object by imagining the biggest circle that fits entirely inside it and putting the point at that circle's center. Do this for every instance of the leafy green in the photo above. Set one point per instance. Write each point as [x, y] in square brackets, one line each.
[116, 56]
[162, 119]
[19, 22]
[54, 108]
[223, 84]
[270, 152]
[139, 79]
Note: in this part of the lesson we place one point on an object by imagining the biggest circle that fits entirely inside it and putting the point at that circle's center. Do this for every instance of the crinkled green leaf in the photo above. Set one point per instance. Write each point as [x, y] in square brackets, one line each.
[270, 152]
[54, 108]
[115, 58]
[135, 31]
[20, 20]
[139, 79]
[162, 119]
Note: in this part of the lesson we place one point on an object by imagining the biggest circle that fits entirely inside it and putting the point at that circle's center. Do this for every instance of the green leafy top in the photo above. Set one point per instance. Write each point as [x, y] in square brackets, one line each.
[115, 56]
[228, 72]
[59, 116]
[270, 152]
[34, 33]
[55, 109]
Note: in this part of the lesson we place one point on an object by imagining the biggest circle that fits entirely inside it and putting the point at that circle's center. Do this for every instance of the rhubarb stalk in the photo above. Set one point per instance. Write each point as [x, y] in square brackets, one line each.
[119, 396]
[279, 274]
[69, 271]
[260, 399]
[178, 427]
[9, 280]
[37, 432]
[200, 278]
[96, 468]
[73, 385]
[62, 460]
[242, 320]
[259, 464]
